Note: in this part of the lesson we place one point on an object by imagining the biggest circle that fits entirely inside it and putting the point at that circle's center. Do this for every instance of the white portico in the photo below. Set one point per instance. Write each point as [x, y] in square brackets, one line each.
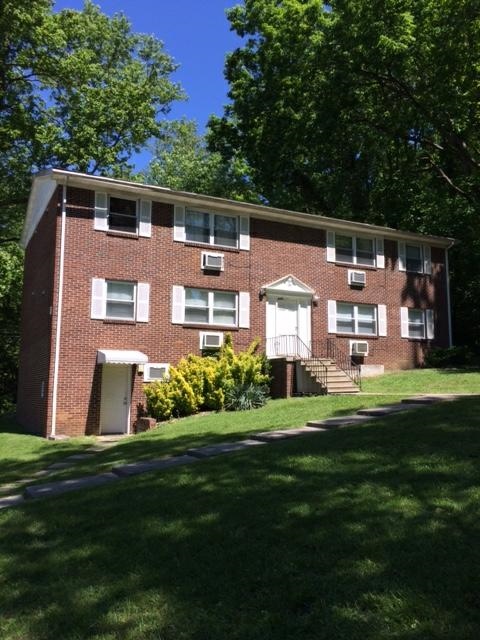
[288, 317]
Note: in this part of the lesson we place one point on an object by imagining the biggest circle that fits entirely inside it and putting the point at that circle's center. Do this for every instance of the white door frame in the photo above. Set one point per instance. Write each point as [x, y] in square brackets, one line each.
[272, 320]
[122, 397]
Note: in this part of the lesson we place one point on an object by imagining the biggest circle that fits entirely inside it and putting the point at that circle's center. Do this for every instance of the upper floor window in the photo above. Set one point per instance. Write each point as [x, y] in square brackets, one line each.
[216, 229]
[357, 319]
[124, 215]
[356, 250]
[414, 257]
[119, 300]
[211, 228]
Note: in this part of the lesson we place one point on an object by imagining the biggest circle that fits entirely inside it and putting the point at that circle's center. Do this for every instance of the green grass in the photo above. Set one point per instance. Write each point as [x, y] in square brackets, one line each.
[425, 381]
[22, 455]
[367, 533]
[177, 436]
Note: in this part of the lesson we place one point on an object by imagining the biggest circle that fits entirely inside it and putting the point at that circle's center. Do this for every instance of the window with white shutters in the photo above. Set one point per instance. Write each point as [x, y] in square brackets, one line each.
[123, 215]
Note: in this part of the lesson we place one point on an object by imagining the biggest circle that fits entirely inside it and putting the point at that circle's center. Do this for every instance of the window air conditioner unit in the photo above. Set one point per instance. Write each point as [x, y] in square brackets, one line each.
[359, 348]
[211, 340]
[358, 278]
[155, 372]
[212, 261]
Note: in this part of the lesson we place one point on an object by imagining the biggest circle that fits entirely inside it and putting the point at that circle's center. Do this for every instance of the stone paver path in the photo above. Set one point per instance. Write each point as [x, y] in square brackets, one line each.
[192, 455]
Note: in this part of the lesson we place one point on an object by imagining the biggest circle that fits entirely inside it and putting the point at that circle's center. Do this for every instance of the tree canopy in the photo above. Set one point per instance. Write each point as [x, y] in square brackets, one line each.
[181, 160]
[78, 90]
[364, 110]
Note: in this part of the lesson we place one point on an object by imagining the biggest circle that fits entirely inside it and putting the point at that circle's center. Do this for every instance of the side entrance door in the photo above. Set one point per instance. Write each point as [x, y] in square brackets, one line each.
[115, 399]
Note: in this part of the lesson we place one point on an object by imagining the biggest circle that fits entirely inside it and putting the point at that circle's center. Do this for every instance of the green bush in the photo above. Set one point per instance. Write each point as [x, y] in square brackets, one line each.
[203, 383]
[450, 357]
[242, 397]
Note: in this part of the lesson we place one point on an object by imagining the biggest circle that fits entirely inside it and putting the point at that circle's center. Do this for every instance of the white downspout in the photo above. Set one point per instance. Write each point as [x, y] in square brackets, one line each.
[59, 313]
[447, 276]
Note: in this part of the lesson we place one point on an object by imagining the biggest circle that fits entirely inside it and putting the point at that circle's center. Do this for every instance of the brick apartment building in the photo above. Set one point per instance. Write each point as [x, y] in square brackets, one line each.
[123, 279]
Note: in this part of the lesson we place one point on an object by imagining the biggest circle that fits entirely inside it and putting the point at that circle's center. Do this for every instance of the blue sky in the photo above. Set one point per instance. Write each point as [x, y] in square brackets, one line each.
[196, 33]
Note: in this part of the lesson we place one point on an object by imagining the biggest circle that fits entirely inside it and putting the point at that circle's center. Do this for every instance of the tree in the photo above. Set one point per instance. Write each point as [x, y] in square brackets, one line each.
[182, 161]
[364, 110]
[78, 90]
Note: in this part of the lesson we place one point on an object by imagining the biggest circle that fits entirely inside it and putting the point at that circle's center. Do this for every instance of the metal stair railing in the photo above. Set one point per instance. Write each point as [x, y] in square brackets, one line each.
[293, 346]
[344, 361]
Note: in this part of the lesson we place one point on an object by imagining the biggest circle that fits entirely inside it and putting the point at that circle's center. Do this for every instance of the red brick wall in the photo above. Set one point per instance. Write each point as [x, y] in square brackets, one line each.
[36, 356]
[276, 250]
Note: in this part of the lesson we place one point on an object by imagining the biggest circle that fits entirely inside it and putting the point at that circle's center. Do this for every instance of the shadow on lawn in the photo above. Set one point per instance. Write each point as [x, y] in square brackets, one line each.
[369, 532]
[153, 444]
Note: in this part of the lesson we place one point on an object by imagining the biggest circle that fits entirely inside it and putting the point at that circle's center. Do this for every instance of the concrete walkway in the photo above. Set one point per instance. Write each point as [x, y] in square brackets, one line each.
[193, 455]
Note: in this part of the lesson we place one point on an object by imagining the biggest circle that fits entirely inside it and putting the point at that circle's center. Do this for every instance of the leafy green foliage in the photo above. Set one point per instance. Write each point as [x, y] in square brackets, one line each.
[204, 383]
[78, 90]
[183, 162]
[376, 118]
[243, 397]
[450, 357]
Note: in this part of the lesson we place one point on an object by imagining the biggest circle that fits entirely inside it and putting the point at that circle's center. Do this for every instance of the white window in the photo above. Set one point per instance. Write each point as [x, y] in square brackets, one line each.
[356, 250]
[125, 215]
[211, 228]
[210, 307]
[200, 306]
[359, 319]
[191, 225]
[117, 300]
[155, 371]
[415, 258]
[120, 300]
[417, 323]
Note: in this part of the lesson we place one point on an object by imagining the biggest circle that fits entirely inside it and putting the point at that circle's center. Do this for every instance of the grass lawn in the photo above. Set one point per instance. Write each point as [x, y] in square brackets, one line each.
[22, 455]
[371, 532]
[425, 381]
[178, 435]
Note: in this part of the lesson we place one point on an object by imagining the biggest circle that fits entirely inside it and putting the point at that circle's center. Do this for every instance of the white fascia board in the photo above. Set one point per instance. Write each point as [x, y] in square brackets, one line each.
[223, 205]
[43, 188]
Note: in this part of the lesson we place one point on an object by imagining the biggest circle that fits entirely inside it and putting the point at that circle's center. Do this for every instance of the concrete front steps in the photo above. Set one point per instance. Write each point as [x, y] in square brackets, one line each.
[337, 381]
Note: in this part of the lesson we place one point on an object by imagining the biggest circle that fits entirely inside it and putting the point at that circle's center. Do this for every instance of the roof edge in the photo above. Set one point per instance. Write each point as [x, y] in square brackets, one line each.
[62, 176]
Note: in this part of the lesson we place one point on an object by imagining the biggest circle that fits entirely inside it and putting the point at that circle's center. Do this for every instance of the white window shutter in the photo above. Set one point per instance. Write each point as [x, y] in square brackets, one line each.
[145, 219]
[430, 324]
[178, 304]
[143, 301]
[332, 316]
[99, 297]
[330, 246]
[179, 223]
[427, 259]
[244, 309]
[380, 253]
[244, 237]
[402, 259]
[382, 319]
[404, 322]
[100, 222]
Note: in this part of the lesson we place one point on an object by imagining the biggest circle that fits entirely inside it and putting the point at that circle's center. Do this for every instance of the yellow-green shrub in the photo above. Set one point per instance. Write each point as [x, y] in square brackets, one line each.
[202, 382]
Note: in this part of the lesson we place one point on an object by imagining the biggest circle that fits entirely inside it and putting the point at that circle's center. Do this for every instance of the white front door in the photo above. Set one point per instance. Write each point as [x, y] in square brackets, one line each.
[115, 402]
[288, 319]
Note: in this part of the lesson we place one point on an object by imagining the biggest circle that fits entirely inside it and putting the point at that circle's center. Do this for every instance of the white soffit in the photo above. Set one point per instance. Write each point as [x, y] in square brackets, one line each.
[289, 285]
[42, 191]
[120, 356]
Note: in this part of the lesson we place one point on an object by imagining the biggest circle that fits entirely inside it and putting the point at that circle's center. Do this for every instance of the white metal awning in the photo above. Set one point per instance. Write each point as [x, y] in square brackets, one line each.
[120, 356]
